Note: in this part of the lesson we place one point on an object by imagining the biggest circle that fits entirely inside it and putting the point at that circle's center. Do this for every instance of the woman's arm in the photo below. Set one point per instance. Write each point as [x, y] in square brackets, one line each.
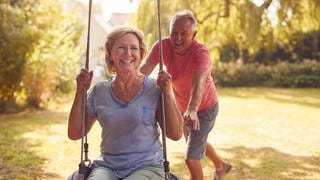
[174, 120]
[76, 113]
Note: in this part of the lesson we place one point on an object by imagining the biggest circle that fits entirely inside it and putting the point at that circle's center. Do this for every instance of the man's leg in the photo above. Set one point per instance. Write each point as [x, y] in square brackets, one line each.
[197, 143]
[212, 155]
[195, 169]
[222, 168]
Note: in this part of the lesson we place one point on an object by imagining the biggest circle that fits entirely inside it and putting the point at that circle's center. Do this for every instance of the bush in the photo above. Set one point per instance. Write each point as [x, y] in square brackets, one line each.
[39, 49]
[282, 74]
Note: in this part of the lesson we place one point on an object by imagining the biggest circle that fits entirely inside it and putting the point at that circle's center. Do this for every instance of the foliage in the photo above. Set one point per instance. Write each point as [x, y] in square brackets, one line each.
[298, 47]
[246, 33]
[147, 21]
[41, 40]
[281, 74]
[249, 25]
[15, 42]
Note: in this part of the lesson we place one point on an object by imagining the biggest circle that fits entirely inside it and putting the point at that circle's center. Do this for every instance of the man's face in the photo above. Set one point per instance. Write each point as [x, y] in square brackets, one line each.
[182, 35]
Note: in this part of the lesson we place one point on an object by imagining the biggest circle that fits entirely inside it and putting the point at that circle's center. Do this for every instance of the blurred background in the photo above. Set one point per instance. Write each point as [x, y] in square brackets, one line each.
[266, 64]
[273, 43]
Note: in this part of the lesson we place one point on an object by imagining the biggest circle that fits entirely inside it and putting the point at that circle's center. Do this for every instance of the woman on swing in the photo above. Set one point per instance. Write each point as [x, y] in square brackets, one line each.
[128, 109]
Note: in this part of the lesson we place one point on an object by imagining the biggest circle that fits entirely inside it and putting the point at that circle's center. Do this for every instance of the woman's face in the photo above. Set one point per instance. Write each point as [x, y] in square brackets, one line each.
[125, 53]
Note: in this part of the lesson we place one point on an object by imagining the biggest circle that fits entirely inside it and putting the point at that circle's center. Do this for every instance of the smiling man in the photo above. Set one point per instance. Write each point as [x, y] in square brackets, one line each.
[189, 64]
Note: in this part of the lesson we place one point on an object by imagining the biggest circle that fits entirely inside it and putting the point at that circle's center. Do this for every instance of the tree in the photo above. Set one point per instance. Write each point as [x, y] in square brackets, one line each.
[16, 41]
[41, 43]
[248, 26]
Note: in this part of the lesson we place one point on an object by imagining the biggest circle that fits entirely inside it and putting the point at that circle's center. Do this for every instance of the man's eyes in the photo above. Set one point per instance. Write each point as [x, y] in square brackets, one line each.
[179, 33]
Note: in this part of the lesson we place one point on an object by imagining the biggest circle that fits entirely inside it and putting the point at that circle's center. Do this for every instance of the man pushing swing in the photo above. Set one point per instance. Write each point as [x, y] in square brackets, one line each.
[189, 64]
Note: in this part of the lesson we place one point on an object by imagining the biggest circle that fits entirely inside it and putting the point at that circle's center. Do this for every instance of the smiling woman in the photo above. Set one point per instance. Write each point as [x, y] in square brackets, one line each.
[128, 103]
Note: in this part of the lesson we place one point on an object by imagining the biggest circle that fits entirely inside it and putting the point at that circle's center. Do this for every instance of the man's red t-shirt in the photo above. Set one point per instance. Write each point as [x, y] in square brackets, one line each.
[182, 67]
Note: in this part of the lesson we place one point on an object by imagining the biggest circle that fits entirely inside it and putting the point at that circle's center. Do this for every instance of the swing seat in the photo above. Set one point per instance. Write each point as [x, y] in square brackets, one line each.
[85, 172]
[172, 177]
[76, 176]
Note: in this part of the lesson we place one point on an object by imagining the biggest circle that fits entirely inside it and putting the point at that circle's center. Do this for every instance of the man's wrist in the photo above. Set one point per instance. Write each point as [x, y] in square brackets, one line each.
[192, 109]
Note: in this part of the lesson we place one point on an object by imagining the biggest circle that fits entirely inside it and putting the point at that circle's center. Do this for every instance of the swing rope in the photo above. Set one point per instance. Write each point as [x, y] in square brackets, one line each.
[166, 162]
[84, 166]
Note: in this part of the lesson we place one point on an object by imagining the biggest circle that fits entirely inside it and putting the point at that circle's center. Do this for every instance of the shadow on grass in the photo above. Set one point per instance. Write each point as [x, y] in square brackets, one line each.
[307, 97]
[18, 159]
[260, 163]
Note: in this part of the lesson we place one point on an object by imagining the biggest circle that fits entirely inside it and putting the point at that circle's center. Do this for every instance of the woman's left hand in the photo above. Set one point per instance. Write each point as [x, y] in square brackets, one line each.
[164, 82]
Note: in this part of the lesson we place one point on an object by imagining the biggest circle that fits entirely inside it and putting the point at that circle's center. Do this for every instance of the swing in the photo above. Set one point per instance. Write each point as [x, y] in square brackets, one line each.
[85, 165]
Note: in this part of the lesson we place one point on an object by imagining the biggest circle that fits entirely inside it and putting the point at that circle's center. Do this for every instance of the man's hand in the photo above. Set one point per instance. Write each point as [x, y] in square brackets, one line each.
[191, 117]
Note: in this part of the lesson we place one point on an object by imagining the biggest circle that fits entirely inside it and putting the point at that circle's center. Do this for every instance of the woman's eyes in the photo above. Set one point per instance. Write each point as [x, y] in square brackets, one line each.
[132, 49]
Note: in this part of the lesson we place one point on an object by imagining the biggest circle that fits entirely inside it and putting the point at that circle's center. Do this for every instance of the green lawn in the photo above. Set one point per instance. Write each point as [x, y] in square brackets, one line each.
[264, 133]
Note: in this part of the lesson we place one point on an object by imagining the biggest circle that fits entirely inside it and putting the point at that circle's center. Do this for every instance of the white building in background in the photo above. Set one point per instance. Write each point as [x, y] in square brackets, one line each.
[103, 19]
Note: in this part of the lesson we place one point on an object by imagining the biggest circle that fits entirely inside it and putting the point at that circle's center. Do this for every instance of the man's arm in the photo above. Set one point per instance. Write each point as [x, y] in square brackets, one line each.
[147, 67]
[197, 89]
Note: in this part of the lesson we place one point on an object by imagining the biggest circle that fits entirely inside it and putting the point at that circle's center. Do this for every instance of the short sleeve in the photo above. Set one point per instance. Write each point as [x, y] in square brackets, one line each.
[91, 103]
[202, 60]
[154, 54]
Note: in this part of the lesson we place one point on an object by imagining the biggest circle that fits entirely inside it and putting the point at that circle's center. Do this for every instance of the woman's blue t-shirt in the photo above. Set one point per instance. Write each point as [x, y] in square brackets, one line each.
[130, 132]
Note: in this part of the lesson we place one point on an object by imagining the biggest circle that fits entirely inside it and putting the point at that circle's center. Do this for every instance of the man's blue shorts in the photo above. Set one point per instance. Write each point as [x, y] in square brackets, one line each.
[197, 140]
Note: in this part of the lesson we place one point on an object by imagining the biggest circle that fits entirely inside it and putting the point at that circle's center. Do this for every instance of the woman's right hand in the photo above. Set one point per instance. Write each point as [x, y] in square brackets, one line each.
[76, 114]
[164, 82]
[84, 79]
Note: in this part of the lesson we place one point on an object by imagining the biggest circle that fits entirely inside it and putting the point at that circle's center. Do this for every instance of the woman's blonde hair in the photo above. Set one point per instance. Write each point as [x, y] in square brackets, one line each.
[116, 33]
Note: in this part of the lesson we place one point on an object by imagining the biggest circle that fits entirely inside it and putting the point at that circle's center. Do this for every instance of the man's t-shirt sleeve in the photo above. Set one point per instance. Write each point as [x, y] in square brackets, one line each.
[154, 54]
[202, 60]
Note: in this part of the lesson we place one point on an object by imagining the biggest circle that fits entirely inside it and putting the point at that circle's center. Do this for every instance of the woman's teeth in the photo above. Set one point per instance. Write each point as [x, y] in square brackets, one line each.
[126, 61]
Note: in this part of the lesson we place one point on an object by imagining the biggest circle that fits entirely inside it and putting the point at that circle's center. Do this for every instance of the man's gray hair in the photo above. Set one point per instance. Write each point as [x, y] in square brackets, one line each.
[184, 14]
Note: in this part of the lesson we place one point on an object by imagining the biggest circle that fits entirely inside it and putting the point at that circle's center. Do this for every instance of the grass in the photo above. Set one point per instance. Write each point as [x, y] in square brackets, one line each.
[265, 133]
